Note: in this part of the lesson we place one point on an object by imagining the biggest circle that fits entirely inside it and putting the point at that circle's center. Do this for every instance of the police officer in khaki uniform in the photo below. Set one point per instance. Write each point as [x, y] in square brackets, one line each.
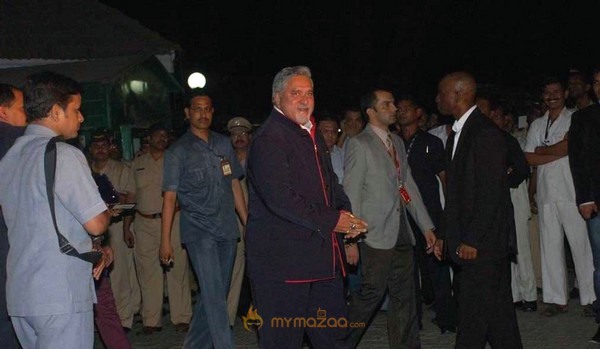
[145, 189]
[124, 282]
[239, 130]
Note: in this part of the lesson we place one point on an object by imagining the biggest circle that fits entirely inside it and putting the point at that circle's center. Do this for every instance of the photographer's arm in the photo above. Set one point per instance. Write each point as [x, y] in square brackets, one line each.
[97, 225]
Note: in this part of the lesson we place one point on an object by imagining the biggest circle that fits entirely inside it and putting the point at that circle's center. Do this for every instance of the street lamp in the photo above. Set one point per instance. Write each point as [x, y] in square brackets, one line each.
[196, 80]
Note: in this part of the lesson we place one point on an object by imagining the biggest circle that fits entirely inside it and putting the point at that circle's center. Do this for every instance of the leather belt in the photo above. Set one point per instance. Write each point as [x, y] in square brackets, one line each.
[154, 215]
[150, 216]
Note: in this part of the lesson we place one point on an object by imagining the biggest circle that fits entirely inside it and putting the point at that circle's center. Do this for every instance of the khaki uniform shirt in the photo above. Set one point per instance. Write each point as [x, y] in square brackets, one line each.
[118, 174]
[145, 181]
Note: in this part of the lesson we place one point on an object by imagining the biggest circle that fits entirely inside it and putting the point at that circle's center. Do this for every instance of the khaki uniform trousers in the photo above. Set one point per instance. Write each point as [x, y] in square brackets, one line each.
[237, 278]
[123, 277]
[150, 273]
[239, 267]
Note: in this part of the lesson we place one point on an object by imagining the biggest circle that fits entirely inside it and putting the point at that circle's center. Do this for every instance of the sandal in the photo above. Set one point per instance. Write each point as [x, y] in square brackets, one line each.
[588, 311]
[554, 309]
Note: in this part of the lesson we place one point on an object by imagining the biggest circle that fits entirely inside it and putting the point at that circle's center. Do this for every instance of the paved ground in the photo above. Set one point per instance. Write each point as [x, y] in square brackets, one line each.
[569, 330]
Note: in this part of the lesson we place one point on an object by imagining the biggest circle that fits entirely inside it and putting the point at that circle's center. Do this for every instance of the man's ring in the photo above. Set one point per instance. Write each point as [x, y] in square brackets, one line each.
[457, 250]
[353, 226]
[347, 231]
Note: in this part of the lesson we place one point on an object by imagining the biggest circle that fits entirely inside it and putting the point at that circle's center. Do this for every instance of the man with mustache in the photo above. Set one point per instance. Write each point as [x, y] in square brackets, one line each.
[201, 175]
[50, 294]
[547, 148]
[240, 134]
[123, 280]
[297, 212]
[145, 189]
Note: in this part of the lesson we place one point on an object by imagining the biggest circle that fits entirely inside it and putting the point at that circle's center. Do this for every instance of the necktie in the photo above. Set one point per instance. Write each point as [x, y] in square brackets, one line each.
[390, 147]
[392, 152]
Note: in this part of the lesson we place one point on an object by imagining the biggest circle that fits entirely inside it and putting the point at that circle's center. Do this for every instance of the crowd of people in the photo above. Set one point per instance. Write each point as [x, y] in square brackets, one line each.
[385, 207]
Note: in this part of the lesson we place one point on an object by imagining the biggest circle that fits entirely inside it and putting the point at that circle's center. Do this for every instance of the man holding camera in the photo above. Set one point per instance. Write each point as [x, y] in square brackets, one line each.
[123, 279]
[50, 294]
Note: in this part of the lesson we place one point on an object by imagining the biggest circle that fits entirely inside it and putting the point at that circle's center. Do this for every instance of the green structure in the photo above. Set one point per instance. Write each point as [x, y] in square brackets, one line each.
[124, 95]
[130, 102]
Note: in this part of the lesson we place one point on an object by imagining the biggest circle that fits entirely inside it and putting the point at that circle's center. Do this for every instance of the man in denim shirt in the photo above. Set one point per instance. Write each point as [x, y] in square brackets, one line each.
[201, 173]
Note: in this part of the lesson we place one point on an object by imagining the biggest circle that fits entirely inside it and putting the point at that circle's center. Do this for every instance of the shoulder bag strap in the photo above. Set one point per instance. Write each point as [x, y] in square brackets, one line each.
[50, 172]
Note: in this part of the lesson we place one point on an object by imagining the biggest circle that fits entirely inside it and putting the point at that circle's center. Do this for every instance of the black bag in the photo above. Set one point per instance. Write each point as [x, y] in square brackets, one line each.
[107, 191]
[50, 171]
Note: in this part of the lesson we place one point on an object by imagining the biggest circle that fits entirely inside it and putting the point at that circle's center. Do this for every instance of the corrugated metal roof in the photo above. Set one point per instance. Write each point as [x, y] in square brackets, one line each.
[73, 29]
[96, 70]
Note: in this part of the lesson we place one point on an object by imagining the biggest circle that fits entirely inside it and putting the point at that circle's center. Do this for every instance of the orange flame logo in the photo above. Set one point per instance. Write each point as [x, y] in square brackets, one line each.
[252, 319]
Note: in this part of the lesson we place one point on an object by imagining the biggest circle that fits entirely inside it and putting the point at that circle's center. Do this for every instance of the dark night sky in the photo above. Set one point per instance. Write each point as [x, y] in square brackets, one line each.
[353, 45]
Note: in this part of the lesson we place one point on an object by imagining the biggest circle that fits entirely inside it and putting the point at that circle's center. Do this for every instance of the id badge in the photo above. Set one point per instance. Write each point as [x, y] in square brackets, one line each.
[404, 194]
[226, 167]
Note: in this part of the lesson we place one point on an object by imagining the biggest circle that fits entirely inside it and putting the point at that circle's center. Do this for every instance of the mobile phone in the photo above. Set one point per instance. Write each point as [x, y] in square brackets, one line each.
[123, 206]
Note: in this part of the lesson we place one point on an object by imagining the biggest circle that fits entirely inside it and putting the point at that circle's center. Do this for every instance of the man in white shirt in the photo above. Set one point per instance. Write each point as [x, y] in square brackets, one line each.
[547, 149]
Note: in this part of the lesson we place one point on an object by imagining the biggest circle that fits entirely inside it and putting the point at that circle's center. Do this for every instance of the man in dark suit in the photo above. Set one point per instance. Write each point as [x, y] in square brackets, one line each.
[12, 122]
[584, 161]
[476, 225]
[297, 208]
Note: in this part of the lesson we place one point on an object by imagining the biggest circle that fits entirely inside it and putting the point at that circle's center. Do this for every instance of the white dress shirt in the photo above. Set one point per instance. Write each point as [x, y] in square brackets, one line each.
[458, 126]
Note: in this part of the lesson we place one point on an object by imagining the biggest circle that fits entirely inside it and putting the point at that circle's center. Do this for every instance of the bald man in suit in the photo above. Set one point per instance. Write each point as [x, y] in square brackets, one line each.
[476, 230]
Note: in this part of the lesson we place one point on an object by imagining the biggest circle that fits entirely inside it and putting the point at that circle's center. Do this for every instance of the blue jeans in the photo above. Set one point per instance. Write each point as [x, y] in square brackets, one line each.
[354, 277]
[593, 226]
[213, 262]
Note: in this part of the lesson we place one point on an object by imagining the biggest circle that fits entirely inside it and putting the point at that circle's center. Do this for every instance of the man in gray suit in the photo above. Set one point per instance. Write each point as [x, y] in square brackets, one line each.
[378, 181]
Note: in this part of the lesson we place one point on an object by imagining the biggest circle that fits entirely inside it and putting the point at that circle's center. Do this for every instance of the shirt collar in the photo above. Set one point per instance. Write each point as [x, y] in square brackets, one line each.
[308, 126]
[460, 123]
[381, 133]
[563, 112]
[39, 130]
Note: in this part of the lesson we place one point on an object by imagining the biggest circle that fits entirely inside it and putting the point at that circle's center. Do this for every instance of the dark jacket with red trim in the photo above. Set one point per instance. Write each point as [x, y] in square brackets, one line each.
[294, 204]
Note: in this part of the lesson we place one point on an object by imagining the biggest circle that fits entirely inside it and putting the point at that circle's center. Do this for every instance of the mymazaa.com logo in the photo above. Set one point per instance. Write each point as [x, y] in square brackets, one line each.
[253, 320]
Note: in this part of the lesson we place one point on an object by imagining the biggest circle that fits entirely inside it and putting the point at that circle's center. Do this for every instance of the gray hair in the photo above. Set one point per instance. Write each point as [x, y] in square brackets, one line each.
[285, 74]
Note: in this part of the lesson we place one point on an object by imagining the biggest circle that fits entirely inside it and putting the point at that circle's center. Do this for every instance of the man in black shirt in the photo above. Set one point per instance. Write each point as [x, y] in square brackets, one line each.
[425, 153]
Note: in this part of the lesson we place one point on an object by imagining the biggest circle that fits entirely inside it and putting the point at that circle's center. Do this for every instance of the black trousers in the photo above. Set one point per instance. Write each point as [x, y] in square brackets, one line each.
[8, 339]
[390, 270]
[445, 306]
[291, 310]
[485, 308]
[436, 283]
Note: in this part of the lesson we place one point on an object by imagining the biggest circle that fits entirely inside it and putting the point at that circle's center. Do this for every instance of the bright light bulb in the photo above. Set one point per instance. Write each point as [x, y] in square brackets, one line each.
[196, 80]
